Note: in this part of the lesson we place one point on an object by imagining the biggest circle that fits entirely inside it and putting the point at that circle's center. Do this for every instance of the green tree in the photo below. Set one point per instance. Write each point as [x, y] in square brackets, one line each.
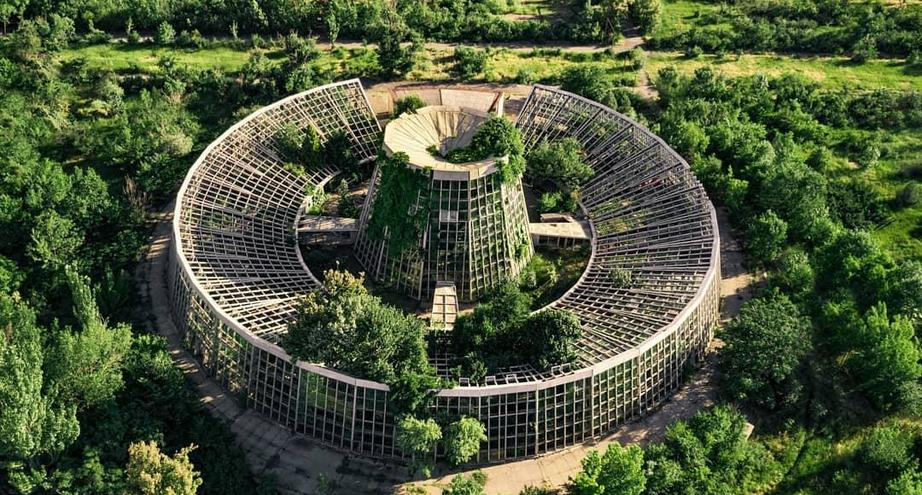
[646, 15]
[794, 274]
[590, 81]
[469, 62]
[904, 295]
[408, 104]
[797, 194]
[166, 35]
[463, 439]
[620, 470]
[708, 455]
[495, 318]
[766, 236]
[853, 262]
[887, 451]
[418, 438]
[10, 9]
[338, 153]
[394, 57]
[497, 137]
[887, 356]
[346, 328]
[548, 338]
[151, 472]
[909, 482]
[562, 162]
[31, 423]
[765, 346]
[85, 367]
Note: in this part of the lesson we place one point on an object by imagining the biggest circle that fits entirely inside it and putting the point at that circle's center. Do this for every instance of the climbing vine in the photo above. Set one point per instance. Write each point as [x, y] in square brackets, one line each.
[397, 216]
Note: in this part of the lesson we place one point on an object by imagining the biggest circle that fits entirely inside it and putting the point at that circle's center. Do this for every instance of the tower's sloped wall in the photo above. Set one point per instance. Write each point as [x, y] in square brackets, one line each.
[476, 234]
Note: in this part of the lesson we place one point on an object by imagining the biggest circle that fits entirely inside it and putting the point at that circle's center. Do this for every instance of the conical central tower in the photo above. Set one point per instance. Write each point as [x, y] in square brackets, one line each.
[468, 221]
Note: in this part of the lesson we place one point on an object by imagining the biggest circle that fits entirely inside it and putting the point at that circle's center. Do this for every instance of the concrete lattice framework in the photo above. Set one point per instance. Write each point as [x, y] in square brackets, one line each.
[476, 234]
[648, 300]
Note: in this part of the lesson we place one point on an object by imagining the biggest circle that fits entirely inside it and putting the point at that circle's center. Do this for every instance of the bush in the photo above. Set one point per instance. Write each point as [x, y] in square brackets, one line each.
[864, 50]
[524, 75]
[907, 483]
[166, 35]
[469, 62]
[549, 202]
[909, 195]
[693, 52]
[766, 236]
[886, 452]
[408, 104]
[191, 39]
[856, 204]
[467, 485]
[869, 155]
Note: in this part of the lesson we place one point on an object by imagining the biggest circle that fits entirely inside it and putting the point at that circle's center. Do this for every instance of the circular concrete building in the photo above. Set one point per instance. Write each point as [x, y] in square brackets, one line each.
[647, 301]
[476, 234]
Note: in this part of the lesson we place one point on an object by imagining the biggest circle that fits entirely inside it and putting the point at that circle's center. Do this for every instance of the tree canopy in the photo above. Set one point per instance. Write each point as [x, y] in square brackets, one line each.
[765, 346]
[346, 328]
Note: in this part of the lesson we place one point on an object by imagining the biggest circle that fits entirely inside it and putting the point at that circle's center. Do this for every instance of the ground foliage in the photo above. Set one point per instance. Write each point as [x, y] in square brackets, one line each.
[836, 345]
[502, 331]
[85, 153]
[864, 30]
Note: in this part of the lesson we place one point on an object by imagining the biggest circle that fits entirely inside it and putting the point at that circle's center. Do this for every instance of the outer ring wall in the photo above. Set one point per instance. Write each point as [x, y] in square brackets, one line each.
[522, 419]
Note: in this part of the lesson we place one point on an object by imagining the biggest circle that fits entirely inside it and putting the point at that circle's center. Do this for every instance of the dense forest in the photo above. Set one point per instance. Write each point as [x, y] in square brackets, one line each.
[820, 180]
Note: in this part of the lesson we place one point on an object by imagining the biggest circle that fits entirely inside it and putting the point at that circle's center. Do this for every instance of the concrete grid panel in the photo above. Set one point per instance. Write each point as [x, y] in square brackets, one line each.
[236, 273]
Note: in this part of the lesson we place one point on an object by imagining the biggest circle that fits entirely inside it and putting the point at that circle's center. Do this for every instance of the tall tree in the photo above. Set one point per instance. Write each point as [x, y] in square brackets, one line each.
[85, 366]
[765, 346]
[31, 423]
[888, 356]
[418, 438]
[463, 439]
[151, 472]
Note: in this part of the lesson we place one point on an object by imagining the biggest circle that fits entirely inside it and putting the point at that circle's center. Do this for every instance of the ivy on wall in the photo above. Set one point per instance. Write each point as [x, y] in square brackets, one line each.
[397, 216]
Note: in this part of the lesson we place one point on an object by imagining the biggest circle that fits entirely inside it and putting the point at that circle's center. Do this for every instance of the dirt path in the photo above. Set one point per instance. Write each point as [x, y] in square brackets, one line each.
[633, 39]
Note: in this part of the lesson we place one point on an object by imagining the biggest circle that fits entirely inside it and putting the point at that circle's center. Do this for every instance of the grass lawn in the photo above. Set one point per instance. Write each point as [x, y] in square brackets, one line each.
[505, 65]
[832, 72]
[534, 7]
[681, 15]
[902, 236]
[122, 57]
